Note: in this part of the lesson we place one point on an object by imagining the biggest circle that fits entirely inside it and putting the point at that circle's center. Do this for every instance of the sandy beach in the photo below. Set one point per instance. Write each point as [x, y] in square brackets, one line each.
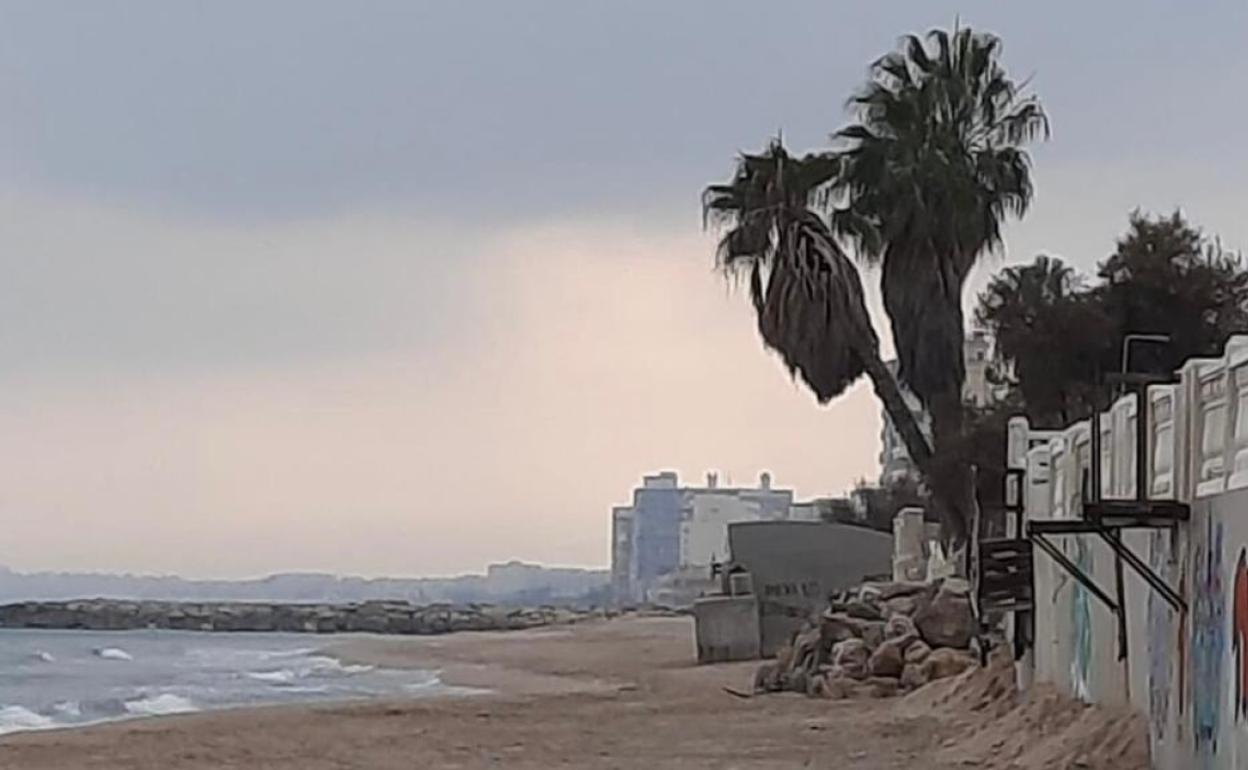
[614, 694]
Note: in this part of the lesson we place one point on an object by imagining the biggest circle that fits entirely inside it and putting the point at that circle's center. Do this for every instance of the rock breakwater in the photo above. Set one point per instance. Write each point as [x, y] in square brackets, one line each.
[379, 617]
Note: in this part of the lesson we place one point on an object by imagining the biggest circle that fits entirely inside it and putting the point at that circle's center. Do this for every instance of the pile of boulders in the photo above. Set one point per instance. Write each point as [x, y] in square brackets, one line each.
[378, 617]
[878, 640]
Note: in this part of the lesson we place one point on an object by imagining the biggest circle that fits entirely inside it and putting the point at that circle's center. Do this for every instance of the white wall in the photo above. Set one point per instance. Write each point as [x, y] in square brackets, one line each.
[1187, 672]
[704, 530]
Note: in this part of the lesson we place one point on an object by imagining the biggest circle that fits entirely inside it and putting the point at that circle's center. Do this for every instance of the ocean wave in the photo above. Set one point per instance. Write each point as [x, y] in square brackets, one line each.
[322, 666]
[69, 708]
[428, 680]
[112, 653]
[42, 656]
[281, 676]
[15, 718]
[157, 705]
[302, 652]
[315, 667]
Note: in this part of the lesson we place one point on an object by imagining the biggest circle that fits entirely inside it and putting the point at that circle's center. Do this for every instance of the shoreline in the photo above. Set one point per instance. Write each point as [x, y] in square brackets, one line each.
[453, 677]
[453, 670]
[605, 695]
[98, 678]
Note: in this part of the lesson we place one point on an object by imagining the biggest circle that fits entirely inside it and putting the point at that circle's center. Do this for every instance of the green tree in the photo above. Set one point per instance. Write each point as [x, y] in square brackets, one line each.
[1167, 277]
[806, 293]
[923, 183]
[882, 503]
[1054, 334]
[1059, 335]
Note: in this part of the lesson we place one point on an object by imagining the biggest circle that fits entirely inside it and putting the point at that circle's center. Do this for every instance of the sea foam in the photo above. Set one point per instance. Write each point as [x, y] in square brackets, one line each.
[166, 703]
[14, 718]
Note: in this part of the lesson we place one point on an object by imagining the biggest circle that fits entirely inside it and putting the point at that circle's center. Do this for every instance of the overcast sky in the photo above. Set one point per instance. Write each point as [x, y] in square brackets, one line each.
[405, 288]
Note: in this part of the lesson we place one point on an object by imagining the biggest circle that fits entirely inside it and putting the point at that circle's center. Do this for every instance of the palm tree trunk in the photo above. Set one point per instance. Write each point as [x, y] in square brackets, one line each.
[952, 484]
[949, 487]
[889, 393]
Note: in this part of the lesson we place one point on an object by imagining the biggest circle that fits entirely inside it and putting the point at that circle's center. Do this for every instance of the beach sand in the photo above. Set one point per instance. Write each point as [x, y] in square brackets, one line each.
[609, 694]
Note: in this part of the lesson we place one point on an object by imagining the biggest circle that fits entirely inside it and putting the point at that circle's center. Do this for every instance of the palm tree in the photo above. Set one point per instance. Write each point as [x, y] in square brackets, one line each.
[924, 180]
[806, 293]
[1030, 309]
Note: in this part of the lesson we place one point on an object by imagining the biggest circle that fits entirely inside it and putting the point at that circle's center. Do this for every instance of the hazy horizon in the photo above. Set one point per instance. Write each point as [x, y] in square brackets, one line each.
[415, 576]
[413, 288]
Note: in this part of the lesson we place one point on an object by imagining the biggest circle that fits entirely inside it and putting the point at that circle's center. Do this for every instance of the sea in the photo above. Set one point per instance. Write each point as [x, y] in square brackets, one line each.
[53, 679]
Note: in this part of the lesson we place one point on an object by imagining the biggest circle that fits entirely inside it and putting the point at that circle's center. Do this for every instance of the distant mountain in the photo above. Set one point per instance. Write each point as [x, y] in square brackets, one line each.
[511, 583]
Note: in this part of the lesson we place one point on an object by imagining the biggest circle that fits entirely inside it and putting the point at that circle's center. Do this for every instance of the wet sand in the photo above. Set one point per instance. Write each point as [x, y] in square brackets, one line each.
[615, 694]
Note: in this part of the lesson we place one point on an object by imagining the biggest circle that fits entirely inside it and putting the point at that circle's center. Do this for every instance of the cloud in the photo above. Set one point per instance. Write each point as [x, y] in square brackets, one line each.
[101, 288]
[411, 287]
[516, 112]
[578, 357]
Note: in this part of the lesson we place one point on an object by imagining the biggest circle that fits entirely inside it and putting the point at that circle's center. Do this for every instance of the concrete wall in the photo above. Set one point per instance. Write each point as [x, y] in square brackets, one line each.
[1187, 672]
[796, 564]
[726, 628]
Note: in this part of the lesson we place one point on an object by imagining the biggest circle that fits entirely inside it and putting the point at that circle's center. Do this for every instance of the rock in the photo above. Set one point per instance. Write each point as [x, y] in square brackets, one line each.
[837, 688]
[850, 652]
[945, 662]
[873, 633]
[815, 685]
[837, 627]
[956, 586]
[882, 687]
[888, 659]
[383, 617]
[797, 680]
[918, 651]
[900, 627]
[902, 605]
[853, 671]
[371, 617]
[946, 620]
[863, 610]
[912, 676]
[891, 590]
[768, 678]
[784, 657]
[807, 649]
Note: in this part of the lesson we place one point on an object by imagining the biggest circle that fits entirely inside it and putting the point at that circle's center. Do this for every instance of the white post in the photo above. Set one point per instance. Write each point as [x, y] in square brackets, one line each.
[1017, 432]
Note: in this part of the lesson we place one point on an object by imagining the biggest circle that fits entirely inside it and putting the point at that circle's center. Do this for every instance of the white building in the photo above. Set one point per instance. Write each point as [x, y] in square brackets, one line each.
[707, 511]
[674, 533]
[806, 511]
[977, 389]
[622, 553]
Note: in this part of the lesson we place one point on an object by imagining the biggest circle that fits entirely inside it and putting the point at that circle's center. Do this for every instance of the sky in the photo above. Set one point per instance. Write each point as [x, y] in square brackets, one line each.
[404, 288]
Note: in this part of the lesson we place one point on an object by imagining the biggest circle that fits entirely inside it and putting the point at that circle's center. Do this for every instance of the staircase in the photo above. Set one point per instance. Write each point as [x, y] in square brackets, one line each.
[1004, 575]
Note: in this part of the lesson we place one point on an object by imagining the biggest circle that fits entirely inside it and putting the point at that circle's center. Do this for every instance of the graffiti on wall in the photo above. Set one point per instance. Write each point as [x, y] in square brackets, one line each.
[1081, 623]
[1239, 634]
[1161, 628]
[1208, 640]
[1183, 646]
[808, 589]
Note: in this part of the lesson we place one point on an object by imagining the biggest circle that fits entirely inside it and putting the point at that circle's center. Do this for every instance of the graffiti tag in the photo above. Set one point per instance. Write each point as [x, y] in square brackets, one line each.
[807, 589]
[1239, 634]
[1208, 641]
[1161, 627]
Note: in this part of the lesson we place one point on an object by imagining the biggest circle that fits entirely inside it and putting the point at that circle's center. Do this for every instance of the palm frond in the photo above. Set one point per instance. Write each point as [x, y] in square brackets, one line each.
[930, 170]
[806, 293]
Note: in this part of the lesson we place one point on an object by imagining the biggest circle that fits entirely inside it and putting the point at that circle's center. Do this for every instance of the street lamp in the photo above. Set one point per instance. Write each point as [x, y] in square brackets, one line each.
[1128, 339]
